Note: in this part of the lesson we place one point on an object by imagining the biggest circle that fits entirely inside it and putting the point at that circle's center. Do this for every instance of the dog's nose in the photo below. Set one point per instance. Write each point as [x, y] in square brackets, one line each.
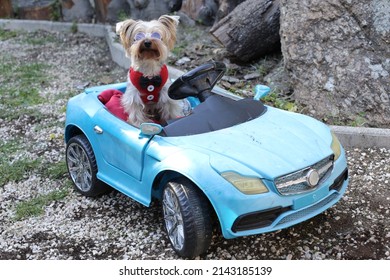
[147, 44]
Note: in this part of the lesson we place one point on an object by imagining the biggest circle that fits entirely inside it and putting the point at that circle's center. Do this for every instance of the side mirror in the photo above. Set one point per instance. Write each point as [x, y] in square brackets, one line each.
[261, 91]
[150, 129]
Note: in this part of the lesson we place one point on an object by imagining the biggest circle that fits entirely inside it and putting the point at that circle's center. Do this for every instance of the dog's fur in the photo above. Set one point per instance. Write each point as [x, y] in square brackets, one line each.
[149, 60]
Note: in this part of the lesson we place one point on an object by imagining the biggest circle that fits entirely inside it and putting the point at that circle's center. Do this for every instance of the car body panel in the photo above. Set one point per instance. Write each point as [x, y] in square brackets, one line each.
[272, 145]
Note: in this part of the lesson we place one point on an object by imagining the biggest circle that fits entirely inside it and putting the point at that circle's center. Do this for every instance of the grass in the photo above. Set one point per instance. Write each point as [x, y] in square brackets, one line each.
[7, 170]
[358, 120]
[35, 206]
[56, 171]
[6, 35]
[30, 38]
[276, 101]
[17, 170]
[22, 80]
[23, 74]
[19, 87]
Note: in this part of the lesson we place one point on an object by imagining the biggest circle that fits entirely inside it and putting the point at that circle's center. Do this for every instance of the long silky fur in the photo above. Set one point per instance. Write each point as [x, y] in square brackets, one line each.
[131, 100]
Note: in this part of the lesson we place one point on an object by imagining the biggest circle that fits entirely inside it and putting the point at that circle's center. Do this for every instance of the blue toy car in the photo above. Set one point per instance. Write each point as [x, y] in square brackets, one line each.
[236, 163]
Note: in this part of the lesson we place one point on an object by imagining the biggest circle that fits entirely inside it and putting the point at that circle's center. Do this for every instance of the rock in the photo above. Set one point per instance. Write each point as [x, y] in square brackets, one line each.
[202, 11]
[337, 53]
[252, 76]
[140, 9]
[115, 9]
[230, 79]
[77, 10]
[185, 20]
[183, 60]
[278, 80]
[225, 7]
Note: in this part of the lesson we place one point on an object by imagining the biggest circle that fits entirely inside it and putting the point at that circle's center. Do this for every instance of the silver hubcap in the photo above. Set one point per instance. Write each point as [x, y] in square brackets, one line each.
[80, 169]
[173, 219]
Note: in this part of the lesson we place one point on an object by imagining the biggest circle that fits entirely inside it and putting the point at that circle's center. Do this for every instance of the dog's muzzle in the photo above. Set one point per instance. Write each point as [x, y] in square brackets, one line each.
[147, 44]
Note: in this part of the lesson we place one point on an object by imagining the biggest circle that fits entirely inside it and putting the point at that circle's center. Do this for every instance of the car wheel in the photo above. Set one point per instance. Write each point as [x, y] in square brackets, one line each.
[187, 218]
[82, 167]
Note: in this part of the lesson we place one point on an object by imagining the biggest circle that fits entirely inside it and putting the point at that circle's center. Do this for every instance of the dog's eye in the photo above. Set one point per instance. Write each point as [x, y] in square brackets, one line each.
[155, 35]
[139, 36]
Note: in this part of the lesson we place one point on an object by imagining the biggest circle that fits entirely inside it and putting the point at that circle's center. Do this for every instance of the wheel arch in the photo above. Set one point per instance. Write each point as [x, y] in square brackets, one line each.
[71, 131]
[163, 177]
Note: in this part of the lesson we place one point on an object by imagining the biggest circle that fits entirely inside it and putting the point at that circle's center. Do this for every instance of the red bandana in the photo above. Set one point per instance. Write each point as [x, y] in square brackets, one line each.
[149, 87]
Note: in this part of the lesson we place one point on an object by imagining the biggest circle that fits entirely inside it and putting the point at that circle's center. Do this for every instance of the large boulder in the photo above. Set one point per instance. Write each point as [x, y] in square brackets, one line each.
[140, 9]
[77, 10]
[337, 54]
[202, 11]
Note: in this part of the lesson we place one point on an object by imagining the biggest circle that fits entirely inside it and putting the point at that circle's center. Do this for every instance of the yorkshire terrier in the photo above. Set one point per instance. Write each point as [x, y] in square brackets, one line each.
[147, 44]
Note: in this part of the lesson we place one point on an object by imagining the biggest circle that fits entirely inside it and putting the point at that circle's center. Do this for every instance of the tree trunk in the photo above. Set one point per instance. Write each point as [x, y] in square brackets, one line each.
[251, 30]
[5, 9]
[101, 7]
[37, 10]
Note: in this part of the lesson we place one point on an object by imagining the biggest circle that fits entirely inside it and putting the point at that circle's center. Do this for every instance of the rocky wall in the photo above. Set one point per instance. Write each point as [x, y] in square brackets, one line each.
[337, 54]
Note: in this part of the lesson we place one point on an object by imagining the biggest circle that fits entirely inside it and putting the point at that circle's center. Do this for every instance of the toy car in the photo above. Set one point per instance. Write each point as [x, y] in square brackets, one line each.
[248, 167]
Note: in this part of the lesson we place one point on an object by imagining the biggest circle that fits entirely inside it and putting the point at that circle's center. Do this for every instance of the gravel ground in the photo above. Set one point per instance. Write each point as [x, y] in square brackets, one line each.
[70, 226]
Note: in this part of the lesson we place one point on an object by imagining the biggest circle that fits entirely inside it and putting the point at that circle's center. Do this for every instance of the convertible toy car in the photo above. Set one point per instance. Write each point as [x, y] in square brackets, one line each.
[235, 163]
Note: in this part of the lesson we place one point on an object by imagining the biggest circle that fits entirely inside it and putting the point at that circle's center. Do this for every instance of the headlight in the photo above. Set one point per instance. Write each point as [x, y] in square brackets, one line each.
[246, 185]
[336, 147]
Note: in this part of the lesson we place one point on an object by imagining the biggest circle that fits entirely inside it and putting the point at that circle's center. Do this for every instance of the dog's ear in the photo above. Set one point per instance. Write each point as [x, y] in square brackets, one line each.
[170, 22]
[124, 29]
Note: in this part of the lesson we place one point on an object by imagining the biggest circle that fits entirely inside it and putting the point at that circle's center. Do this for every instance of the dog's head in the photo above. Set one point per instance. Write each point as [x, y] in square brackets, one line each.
[148, 40]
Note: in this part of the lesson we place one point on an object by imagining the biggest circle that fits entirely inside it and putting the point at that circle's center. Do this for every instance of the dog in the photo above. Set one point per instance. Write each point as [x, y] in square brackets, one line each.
[147, 44]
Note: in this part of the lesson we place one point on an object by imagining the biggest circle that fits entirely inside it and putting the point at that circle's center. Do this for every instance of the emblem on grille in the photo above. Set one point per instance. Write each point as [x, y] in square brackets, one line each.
[312, 177]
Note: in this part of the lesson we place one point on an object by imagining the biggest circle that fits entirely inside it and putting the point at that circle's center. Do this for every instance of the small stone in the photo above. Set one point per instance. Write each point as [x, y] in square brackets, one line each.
[182, 61]
[252, 76]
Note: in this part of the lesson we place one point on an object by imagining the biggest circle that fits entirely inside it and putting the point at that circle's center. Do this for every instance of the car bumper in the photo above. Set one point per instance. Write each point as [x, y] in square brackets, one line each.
[270, 212]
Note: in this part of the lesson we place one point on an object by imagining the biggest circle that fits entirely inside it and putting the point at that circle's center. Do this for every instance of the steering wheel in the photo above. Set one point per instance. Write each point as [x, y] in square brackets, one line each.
[198, 82]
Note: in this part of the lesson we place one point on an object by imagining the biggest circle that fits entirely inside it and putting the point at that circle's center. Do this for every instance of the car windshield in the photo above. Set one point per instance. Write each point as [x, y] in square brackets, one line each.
[216, 112]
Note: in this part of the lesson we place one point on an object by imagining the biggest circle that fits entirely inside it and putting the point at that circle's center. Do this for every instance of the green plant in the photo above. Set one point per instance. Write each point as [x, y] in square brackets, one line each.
[36, 40]
[74, 28]
[358, 120]
[56, 170]
[122, 15]
[13, 72]
[6, 34]
[35, 206]
[55, 14]
[275, 100]
[16, 170]
[18, 83]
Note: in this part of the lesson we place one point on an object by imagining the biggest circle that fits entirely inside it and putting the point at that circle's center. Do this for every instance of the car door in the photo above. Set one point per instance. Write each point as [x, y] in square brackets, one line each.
[121, 144]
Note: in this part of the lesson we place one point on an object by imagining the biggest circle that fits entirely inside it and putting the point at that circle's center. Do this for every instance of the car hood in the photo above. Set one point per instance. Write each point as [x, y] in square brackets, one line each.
[272, 145]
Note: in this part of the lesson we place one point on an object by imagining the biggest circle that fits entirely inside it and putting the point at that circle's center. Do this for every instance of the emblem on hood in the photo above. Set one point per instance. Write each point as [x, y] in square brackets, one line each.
[312, 177]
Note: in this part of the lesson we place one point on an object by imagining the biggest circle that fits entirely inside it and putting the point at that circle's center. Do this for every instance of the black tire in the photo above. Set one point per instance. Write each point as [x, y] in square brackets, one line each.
[187, 218]
[82, 167]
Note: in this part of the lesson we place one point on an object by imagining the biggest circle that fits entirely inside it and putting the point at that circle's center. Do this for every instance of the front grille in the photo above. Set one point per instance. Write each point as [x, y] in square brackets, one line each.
[296, 182]
[309, 210]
